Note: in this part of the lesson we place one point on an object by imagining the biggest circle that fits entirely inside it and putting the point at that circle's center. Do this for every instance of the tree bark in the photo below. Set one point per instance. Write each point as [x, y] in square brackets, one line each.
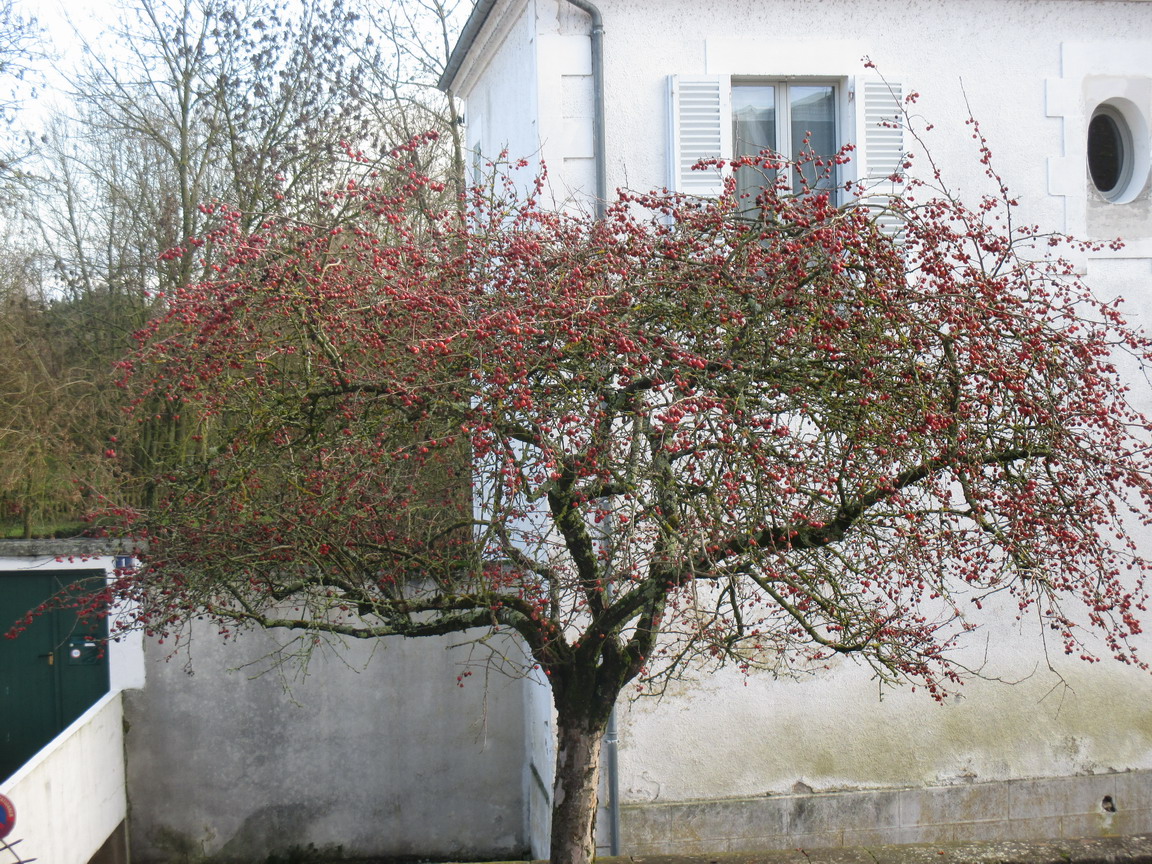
[574, 796]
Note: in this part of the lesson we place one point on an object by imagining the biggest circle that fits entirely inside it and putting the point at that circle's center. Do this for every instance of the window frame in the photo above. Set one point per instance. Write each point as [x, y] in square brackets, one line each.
[1130, 131]
[782, 86]
[699, 118]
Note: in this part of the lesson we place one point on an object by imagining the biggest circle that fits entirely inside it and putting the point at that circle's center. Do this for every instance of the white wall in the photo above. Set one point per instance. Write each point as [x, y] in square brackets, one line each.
[501, 112]
[725, 736]
[999, 54]
[373, 747]
[1023, 68]
[70, 797]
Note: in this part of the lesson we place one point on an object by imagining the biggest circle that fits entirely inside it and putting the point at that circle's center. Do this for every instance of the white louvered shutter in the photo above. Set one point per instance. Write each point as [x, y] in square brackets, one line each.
[701, 128]
[881, 143]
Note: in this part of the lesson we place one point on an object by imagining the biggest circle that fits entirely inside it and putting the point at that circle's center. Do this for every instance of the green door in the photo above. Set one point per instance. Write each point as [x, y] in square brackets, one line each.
[53, 671]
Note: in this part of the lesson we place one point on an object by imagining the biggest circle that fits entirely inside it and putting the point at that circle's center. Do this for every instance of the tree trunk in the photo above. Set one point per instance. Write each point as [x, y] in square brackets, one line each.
[574, 795]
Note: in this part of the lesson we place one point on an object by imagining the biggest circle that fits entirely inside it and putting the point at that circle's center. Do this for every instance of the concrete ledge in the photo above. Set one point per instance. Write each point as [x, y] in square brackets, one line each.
[1034, 810]
[76, 547]
[1136, 849]
[70, 796]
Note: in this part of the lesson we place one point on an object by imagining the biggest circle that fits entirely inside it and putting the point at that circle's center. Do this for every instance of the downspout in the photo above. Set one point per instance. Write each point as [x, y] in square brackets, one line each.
[613, 781]
[600, 205]
[599, 157]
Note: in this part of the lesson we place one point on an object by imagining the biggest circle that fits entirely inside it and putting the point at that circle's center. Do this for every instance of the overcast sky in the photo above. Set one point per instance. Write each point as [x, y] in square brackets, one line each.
[67, 24]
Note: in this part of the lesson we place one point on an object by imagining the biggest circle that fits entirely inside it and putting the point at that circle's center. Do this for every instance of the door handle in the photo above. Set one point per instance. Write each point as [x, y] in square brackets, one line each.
[51, 657]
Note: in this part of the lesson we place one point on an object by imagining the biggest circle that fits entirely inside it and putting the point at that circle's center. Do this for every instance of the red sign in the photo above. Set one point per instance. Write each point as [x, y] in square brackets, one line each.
[7, 816]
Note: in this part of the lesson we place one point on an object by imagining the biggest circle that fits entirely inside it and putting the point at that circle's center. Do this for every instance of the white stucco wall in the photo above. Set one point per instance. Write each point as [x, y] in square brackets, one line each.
[725, 736]
[1024, 68]
[722, 735]
[502, 112]
[372, 747]
[998, 54]
[70, 797]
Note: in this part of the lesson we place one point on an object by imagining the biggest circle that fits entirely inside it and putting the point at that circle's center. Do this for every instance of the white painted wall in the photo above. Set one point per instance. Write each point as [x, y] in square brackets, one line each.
[1023, 66]
[1029, 70]
[999, 55]
[371, 746]
[69, 798]
[502, 111]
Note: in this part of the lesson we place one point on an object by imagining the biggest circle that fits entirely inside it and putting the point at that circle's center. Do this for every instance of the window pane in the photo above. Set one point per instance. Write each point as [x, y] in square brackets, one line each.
[1106, 156]
[753, 130]
[813, 108]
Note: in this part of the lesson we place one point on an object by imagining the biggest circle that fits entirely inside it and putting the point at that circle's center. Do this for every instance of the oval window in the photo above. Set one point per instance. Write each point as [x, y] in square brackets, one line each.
[1109, 152]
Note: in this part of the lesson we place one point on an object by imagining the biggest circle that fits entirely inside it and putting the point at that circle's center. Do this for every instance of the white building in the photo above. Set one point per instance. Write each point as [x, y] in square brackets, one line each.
[628, 93]
[390, 758]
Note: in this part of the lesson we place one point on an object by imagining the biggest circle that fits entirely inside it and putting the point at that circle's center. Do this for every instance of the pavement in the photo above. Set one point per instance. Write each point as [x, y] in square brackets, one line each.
[1131, 849]
[1135, 849]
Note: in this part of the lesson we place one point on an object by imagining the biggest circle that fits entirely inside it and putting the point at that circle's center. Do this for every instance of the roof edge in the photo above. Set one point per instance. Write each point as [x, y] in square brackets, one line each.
[472, 27]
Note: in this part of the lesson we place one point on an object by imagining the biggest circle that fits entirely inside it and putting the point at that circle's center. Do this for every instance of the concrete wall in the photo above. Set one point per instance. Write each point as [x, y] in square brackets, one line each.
[375, 748]
[69, 798]
[539, 764]
[1045, 809]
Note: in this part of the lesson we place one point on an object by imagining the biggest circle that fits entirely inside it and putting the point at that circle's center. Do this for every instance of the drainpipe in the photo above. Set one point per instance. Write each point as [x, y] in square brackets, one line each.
[610, 741]
[597, 38]
[611, 736]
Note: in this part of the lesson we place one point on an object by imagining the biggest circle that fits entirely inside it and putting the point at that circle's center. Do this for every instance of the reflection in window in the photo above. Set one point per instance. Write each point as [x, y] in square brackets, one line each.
[813, 109]
[753, 130]
[1109, 152]
[794, 119]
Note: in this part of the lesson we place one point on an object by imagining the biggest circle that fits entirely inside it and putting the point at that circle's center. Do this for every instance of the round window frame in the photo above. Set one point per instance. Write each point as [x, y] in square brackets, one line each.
[1132, 129]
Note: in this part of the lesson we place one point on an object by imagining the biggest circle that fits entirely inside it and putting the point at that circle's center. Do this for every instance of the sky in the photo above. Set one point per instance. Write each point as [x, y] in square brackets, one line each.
[66, 26]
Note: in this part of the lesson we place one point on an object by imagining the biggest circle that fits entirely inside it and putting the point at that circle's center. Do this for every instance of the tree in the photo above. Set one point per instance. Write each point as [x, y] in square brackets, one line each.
[21, 45]
[38, 397]
[41, 404]
[693, 430]
[417, 38]
[253, 103]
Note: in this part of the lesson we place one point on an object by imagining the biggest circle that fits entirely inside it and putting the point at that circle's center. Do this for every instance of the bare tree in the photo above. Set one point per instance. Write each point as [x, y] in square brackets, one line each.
[202, 109]
[414, 41]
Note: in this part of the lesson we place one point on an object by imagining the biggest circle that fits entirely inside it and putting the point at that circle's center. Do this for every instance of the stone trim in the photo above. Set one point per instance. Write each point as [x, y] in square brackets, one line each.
[1039, 809]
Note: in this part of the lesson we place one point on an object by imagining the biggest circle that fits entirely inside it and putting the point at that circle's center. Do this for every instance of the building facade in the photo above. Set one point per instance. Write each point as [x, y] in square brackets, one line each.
[631, 93]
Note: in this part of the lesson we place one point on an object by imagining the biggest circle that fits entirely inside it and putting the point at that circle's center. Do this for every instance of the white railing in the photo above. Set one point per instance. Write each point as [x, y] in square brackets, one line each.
[70, 796]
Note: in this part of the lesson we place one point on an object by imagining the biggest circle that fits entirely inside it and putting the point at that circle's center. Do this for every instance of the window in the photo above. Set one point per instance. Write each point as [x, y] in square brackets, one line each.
[1111, 152]
[796, 119]
[717, 117]
[1102, 169]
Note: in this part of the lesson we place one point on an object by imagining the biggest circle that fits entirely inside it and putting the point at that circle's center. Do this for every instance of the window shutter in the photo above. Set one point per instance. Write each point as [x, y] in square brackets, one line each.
[701, 128]
[881, 144]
